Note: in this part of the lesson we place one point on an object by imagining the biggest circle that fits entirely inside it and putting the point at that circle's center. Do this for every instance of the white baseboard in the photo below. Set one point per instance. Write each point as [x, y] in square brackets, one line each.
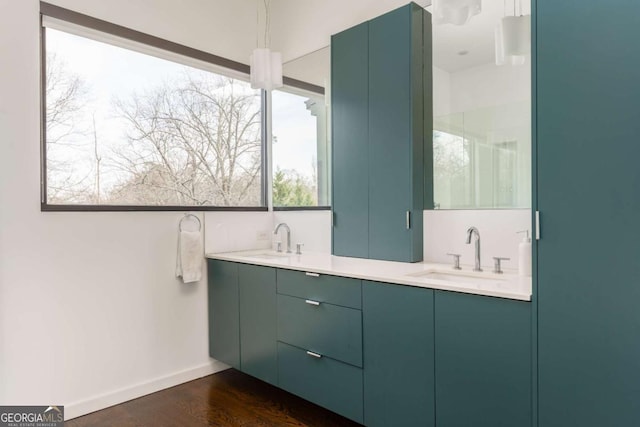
[95, 403]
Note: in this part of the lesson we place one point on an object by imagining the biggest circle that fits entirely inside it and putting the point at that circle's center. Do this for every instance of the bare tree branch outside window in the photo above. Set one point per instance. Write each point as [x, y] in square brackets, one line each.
[192, 142]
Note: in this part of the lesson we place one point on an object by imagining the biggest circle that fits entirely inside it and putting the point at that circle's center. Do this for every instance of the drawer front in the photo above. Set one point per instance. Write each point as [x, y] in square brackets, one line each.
[321, 287]
[327, 329]
[324, 381]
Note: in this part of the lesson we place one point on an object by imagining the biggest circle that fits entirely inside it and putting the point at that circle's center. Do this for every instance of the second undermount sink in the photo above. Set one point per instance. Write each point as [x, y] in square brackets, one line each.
[462, 277]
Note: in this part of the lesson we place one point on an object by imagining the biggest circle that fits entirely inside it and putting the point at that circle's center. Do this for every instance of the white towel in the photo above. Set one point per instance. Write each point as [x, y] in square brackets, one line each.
[189, 259]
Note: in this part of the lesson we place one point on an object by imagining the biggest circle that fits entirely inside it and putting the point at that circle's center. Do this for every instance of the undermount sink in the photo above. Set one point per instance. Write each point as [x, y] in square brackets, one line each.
[462, 277]
[267, 255]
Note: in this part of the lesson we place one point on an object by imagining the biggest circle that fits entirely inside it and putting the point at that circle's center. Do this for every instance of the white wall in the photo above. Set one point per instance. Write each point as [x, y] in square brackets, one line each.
[312, 228]
[441, 92]
[90, 311]
[237, 231]
[487, 86]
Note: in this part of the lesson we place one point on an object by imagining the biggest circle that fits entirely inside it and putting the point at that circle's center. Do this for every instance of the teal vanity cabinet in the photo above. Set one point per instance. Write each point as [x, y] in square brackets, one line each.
[242, 317]
[380, 354]
[258, 350]
[482, 361]
[381, 118]
[320, 340]
[224, 306]
[588, 194]
[398, 327]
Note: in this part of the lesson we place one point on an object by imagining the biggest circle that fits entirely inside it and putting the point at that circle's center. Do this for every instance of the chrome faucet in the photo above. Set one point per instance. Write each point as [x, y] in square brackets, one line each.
[470, 232]
[288, 230]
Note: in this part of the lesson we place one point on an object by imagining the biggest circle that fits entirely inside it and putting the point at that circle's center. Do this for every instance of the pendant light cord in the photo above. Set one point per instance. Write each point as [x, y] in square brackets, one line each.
[267, 23]
[257, 25]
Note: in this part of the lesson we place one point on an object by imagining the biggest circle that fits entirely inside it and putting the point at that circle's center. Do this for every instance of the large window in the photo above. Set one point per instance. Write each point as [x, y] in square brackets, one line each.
[125, 128]
[300, 149]
[131, 121]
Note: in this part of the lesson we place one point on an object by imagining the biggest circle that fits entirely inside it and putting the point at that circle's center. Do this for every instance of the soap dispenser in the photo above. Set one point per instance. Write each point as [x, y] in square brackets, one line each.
[524, 254]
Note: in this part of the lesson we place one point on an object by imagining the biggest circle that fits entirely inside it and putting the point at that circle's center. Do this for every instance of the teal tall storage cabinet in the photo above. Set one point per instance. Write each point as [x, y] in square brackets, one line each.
[380, 99]
[588, 195]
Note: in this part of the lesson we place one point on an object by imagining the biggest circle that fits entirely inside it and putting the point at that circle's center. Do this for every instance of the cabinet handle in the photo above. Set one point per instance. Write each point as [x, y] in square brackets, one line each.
[312, 274]
[312, 354]
[408, 220]
[312, 302]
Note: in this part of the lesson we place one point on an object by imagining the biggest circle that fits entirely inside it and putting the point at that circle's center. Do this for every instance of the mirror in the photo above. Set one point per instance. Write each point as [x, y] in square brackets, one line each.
[314, 67]
[482, 111]
[300, 121]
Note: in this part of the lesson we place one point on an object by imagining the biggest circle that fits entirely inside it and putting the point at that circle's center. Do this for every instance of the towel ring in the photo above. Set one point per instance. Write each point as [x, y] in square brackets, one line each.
[187, 216]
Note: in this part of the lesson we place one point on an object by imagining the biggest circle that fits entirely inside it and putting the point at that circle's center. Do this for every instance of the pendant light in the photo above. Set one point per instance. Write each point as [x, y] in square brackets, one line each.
[456, 12]
[513, 37]
[266, 66]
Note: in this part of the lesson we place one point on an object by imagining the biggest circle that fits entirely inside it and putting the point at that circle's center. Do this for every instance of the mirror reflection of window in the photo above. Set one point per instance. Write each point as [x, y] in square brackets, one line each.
[482, 110]
[300, 149]
[482, 158]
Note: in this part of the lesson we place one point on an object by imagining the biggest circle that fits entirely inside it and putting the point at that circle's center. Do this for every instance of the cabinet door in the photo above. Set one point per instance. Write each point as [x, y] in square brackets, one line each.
[398, 355]
[258, 314]
[224, 322]
[396, 135]
[349, 106]
[483, 361]
[588, 184]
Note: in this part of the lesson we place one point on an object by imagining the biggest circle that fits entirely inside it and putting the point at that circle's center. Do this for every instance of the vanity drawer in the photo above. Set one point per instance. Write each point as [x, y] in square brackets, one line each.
[321, 287]
[323, 328]
[321, 380]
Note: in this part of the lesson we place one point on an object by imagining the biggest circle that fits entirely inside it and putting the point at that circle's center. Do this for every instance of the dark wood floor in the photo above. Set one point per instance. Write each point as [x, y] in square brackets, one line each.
[228, 398]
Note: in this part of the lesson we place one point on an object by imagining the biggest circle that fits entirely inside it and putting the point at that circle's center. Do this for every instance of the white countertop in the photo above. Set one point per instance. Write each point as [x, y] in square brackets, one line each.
[507, 285]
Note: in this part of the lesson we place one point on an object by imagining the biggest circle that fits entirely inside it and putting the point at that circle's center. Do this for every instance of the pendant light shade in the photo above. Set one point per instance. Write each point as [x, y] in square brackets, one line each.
[513, 39]
[456, 12]
[265, 66]
[266, 69]
[516, 32]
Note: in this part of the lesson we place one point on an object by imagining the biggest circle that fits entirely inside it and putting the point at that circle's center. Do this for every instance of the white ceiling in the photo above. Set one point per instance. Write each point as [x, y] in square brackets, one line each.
[229, 27]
